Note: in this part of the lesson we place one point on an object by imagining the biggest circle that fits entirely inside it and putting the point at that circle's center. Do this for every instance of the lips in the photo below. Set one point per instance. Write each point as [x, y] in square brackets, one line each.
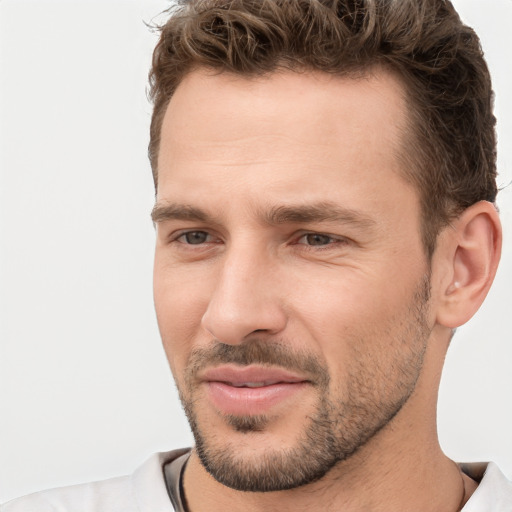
[250, 390]
[253, 384]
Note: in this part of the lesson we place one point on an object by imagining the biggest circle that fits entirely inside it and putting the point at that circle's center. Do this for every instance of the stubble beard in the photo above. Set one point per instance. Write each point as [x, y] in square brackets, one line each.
[337, 428]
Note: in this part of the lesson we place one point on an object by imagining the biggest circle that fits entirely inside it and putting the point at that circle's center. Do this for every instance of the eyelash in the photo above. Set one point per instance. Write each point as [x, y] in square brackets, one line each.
[190, 232]
[332, 241]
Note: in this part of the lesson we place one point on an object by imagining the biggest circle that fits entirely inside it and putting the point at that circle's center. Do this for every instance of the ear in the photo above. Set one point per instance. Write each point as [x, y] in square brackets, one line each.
[469, 253]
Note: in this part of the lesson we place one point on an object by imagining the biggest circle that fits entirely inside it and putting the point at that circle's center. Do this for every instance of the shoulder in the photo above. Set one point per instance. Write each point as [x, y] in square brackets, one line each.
[112, 494]
[494, 492]
[143, 491]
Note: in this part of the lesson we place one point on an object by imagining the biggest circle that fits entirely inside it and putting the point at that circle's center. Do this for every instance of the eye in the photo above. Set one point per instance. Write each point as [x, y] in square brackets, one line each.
[194, 237]
[316, 239]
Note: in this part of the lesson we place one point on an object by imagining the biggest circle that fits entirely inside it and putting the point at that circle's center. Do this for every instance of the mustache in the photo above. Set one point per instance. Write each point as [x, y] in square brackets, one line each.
[257, 351]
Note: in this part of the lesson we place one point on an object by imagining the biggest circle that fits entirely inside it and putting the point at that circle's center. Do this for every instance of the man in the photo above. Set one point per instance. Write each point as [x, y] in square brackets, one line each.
[325, 189]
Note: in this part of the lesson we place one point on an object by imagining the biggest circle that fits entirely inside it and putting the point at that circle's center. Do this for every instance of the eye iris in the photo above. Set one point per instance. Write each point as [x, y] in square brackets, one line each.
[316, 239]
[196, 237]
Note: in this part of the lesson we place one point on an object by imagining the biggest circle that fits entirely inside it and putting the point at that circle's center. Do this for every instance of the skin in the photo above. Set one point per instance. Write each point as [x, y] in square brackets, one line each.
[346, 292]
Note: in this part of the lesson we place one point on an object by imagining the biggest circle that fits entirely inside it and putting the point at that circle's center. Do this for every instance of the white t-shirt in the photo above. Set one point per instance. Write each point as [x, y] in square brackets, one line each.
[146, 491]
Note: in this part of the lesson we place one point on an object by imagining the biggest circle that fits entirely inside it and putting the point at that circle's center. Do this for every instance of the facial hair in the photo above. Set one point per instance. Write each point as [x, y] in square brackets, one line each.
[345, 417]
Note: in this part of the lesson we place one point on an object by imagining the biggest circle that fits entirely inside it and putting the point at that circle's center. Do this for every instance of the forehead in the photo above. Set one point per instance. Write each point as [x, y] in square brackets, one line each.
[287, 134]
[309, 104]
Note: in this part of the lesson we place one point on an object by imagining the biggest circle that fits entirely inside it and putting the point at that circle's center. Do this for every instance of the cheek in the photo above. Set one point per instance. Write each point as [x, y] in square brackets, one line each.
[345, 300]
[179, 310]
[356, 315]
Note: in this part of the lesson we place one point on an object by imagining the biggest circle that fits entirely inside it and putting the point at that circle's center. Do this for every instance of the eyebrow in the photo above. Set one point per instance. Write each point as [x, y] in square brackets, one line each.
[285, 214]
[174, 211]
[317, 212]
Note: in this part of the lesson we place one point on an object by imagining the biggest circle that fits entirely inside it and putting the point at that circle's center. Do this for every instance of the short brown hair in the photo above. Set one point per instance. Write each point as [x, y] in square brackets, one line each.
[449, 153]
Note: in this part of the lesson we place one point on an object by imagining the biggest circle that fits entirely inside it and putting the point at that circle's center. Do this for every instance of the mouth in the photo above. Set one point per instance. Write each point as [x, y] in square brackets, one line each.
[253, 384]
[251, 390]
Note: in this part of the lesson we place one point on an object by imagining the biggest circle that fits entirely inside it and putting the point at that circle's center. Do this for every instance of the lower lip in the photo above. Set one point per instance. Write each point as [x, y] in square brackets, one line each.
[251, 401]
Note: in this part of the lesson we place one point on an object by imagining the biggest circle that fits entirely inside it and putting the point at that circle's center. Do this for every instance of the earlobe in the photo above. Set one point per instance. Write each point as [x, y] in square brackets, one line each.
[472, 248]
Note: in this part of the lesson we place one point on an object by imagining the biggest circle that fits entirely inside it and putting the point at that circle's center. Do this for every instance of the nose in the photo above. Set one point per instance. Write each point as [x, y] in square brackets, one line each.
[245, 300]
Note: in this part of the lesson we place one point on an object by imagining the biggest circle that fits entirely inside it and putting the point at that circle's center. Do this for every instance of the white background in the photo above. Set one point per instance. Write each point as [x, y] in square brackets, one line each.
[85, 392]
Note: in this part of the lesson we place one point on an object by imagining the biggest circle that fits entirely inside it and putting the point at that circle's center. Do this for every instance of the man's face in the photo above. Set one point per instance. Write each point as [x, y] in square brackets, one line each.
[291, 285]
